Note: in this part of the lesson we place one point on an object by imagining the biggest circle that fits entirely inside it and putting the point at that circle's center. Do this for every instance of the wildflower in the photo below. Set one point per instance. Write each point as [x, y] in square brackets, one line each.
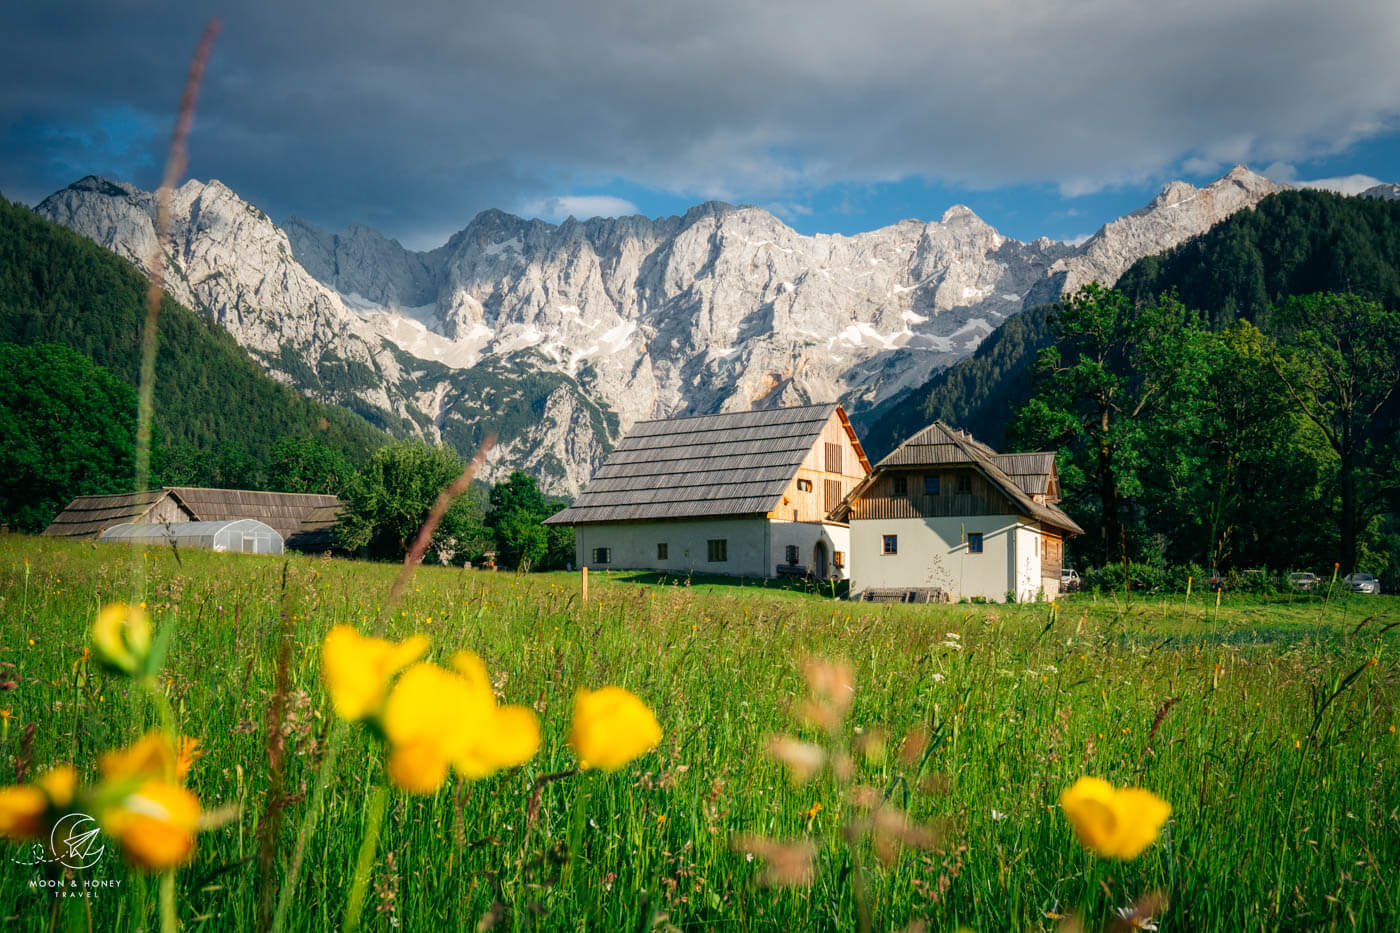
[1114, 822]
[811, 812]
[122, 637]
[611, 727]
[357, 670]
[152, 756]
[23, 807]
[155, 824]
[436, 718]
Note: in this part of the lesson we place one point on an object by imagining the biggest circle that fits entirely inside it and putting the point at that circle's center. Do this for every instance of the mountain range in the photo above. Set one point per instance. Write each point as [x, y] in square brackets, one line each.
[557, 338]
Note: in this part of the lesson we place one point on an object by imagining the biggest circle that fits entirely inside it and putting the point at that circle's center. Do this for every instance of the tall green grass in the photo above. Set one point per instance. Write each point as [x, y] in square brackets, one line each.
[1286, 793]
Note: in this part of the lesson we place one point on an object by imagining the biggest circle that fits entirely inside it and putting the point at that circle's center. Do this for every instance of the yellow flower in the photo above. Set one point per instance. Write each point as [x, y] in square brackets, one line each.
[152, 756]
[610, 728]
[357, 670]
[155, 824]
[1114, 822]
[23, 807]
[436, 718]
[122, 636]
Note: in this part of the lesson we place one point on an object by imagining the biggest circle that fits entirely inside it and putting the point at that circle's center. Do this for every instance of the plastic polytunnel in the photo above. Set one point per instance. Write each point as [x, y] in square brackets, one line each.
[246, 535]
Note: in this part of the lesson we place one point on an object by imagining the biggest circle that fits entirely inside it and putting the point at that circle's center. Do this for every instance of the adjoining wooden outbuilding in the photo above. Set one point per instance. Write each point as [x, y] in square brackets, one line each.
[738, 493]
[944, 512]
[305, 521]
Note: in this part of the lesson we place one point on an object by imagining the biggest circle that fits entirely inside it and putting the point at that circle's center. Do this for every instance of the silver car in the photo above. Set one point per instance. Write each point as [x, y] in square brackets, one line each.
[1302, 581]
[1363, 583]
[1069, 580]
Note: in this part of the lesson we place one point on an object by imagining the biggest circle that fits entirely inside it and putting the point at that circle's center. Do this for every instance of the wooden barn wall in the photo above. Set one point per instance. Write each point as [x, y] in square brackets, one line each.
[810, 506]
[880, 500]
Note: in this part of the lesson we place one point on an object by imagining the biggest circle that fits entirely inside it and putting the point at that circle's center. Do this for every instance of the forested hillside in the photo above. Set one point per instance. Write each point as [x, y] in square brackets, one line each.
[1292, 243]
[217, 415]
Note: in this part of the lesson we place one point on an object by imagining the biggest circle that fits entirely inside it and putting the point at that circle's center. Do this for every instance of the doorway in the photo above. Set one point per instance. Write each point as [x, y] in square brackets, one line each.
[819, 561]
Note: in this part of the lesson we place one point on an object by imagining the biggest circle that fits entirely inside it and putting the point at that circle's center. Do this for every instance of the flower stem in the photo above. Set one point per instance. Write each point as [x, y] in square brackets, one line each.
[368, 846]
[169, 922]
[581, 800]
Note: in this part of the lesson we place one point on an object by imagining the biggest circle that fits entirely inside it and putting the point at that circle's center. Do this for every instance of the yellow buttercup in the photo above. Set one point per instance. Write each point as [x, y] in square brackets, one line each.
[611, 727]
[1114, 822]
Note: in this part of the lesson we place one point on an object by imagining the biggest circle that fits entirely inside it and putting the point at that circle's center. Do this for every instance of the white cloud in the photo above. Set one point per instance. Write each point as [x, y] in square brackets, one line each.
[1342, 184]
[580, 206]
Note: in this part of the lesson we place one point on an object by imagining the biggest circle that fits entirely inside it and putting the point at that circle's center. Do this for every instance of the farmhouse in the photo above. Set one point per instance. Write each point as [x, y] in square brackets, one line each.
[945, 512]
[304, 521]
[739, 493]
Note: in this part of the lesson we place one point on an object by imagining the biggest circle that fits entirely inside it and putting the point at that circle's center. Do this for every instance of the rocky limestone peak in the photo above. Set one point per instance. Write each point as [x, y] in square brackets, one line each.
[1390, 192]
[560, 337]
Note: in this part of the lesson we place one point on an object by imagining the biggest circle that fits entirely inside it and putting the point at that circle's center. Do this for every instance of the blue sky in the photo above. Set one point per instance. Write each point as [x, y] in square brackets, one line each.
[1046, 117]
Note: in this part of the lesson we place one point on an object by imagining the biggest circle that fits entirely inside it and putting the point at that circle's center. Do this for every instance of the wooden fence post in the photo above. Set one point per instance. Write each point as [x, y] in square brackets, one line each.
[585, 584]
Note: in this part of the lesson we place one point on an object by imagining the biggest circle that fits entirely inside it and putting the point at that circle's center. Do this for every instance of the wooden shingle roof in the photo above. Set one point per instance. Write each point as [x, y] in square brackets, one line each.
[89, 516]
[1018, 476]
[703, 466]
[305, 521]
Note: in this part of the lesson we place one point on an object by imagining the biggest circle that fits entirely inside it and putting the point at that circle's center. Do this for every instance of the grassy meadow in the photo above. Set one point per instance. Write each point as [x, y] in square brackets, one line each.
[1285, 792]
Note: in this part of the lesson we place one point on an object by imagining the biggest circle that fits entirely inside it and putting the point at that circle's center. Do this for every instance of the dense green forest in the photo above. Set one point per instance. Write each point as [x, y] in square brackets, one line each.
[1292, 243]
[218, 416]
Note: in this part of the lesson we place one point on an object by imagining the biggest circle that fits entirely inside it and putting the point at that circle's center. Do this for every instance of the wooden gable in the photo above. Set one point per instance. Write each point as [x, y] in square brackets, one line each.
[833, 466]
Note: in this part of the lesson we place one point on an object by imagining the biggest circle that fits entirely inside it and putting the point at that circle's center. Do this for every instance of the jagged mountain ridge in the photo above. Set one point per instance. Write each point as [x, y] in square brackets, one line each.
[559, 337]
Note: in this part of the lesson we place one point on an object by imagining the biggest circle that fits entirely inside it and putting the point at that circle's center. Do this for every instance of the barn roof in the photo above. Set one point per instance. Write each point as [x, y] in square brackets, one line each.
[703, 466]
[1019, 476]
[304, 520]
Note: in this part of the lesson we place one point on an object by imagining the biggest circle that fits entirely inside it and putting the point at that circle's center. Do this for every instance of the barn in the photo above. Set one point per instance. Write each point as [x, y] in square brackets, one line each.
[736, 493]
[948, 515]
[304, 521]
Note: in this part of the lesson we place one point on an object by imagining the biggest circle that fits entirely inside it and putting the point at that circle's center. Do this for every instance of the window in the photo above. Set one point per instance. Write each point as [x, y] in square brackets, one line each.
[974, 542]
[794, 514]
[890, 544]
[901, 485]
[833, 494]
[964, 482]
[833, 458]
[602, 555]
[661, 550]
[804, 485]
[717, 550]
[839, 558]
[792, 554]
[930, 485]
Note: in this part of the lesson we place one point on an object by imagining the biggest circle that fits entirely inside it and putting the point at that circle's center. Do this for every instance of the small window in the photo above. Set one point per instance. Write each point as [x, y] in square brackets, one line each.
[890, 544]
[974, 542]
[804, 485]
[791, 554]
[964, 482]
[833, 458]
[717, 550]
[901, 485]
[930, 485]
[602, 555]
[661, 551]
[839, 558]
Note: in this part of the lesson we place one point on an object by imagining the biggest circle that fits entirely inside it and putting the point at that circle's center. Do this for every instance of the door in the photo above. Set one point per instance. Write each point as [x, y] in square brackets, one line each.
[819, 561]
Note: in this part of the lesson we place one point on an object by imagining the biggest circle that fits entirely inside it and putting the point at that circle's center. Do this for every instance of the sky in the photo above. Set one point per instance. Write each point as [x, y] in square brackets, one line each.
[1046, 117]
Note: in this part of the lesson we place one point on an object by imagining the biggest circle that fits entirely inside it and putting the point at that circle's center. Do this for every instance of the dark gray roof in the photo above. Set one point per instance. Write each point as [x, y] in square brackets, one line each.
[304, 520]
[703, 466]
[1019, 476]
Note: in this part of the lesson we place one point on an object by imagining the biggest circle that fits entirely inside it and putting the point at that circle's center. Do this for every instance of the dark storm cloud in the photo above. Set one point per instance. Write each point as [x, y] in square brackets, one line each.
[411, 119]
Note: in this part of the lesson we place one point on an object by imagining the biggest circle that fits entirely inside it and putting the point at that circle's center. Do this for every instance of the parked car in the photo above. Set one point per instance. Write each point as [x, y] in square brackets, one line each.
[1302, 580]
[1069, 580]
[1363, 583]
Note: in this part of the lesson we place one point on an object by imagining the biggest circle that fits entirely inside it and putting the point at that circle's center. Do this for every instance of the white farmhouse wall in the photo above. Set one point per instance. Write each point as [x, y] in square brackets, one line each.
[805, 536]
[633, 546]
[933, 553]
[1028, 583]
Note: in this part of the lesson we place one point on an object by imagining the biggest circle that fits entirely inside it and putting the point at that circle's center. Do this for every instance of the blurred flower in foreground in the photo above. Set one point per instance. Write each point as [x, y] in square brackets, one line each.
[435, 718]
[611, 727]
[1114, 822]
[155, 824]
[121, 636]
[23, 807]
[357, 670]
